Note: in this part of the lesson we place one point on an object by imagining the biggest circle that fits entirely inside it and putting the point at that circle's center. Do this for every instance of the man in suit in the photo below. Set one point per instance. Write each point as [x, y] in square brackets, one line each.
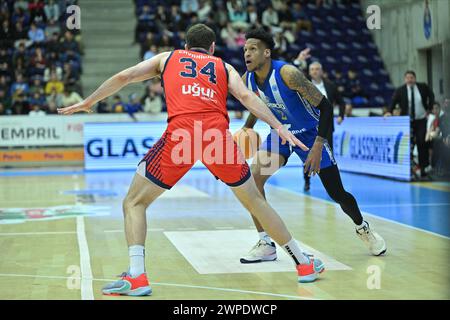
[329, 90]
[416, 101]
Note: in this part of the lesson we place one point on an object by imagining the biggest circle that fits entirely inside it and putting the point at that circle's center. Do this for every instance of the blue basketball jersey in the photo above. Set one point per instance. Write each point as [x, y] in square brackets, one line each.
[286, 104]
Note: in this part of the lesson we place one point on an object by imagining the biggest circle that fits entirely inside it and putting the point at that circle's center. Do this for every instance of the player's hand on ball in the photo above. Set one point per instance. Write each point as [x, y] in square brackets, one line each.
[79, 107]
[248, 141]
[287, 136]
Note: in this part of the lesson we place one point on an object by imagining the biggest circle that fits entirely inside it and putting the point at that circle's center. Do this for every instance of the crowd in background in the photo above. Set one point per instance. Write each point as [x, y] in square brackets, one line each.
[161, 26]
[40, 60]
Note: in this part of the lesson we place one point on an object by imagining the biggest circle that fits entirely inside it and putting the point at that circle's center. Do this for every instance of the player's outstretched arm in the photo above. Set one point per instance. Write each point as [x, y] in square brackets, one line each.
[257, 107]
[251, 119]
[142, 71]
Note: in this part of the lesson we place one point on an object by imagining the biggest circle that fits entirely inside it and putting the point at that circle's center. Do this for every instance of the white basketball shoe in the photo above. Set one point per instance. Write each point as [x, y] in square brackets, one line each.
[373, 241]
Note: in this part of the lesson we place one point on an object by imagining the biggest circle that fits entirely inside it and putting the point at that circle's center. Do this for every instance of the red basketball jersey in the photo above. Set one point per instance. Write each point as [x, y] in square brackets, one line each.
[195, 83]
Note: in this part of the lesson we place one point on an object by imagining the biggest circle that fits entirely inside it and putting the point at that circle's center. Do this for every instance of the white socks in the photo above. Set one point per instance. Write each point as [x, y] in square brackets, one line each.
[137, 260]
[264, 236]
[294, 251]
[362, 225]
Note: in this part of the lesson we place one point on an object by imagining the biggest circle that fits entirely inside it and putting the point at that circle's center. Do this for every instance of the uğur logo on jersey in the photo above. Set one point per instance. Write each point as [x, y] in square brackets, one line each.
[196, 91]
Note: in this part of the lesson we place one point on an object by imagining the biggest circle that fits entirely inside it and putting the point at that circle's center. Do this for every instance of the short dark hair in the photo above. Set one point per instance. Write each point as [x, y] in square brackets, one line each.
[410, 72]
[200, 36]
[262, 35]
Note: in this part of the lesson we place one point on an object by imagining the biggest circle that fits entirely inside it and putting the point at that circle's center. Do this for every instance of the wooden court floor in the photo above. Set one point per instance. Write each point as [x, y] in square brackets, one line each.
[61, 238]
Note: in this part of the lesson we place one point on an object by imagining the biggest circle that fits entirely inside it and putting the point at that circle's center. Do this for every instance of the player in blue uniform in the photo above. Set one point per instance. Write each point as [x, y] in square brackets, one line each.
[297, 104]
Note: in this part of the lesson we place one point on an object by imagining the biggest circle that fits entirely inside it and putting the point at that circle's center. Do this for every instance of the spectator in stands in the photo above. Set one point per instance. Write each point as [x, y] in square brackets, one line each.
[281, 45]
[144, 23]
[36, 35]
[21, 4]
[36, 9]
[176, 22]
[54, 83]
[20, 86]
[19, 34]
[348, 111]
[38, 63]
[37, 99]
[20, 105]
[53, 69]
[133, 106]
[270, 17]
[339, 81]
[21, 16]
[416, 100]
[165, 43]
[36, 111]
[441, 144]
[204, 10]
[151, 52]
[4, 84]
[433, 130]
[52, 107]
[5, 101]
[433, 134]
[6, 35]
[236, 14]
[162, 18]
[153, 103]
[278, 5]
[37, 85]
[70, 97]
[69, 45]
[53, 44]
[118, 106]
[252, 13]
[221, 15]
[299, 15]
[54, 98]
[189, 6]
[20, 54]
[354, 90]
[70, 75]
[103, 107]
[6, 66]
[52, 12]
[52, 28]
[229, 36]
[286, 18]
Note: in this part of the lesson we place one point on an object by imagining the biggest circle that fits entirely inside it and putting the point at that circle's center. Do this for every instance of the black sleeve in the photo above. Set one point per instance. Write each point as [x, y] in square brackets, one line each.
[326, 117]
[395, 100]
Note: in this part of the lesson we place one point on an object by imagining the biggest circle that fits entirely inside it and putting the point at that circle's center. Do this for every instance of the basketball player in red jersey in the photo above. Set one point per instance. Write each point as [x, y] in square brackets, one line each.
[196, 85]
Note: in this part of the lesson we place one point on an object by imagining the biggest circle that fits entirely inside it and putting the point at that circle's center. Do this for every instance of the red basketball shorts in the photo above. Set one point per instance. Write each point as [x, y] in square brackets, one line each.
[192, 138]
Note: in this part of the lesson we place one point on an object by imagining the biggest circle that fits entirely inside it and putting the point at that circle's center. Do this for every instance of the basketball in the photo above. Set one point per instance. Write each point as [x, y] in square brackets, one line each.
[248, 141]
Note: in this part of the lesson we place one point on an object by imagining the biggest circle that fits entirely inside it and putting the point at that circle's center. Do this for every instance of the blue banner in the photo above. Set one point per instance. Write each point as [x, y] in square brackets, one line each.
[374, 145]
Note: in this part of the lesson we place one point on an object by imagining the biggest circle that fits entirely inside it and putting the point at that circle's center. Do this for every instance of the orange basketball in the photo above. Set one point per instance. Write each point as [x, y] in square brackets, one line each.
[248, 141]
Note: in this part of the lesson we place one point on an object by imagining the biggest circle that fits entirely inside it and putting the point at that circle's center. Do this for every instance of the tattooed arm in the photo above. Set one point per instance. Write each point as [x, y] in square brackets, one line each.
[297, 81]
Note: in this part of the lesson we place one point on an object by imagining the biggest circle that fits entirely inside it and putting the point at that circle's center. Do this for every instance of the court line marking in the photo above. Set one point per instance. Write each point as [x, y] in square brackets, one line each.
[36, 233]
[87, 292]
[165, 284]
[363, 212]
